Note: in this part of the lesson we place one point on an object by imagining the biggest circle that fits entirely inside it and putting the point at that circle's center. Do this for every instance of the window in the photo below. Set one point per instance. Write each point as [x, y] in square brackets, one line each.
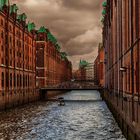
[26, 81]
[2, 35]
[23, 81]
[2, 61]
[2, 22]
[14, 80]
[17, 80]
[10, 62]
[10, 28]
[20, 81]
[7, 79]
[2, 47]
[11, 80]
[2, 79]
[17, 42]
[10, 39]
[10, 51]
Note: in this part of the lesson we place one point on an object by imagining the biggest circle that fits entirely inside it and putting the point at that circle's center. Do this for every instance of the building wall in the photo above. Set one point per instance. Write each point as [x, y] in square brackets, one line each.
[121, 34]
[90, 72]
[80, 74]
[99, 67]
[51, 68]
[17, 62]
[123, 26]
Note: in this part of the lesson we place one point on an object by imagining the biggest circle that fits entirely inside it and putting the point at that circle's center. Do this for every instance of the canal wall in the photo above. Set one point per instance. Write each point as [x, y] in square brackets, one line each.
[8, 101]
[121, 108]
[18, 98]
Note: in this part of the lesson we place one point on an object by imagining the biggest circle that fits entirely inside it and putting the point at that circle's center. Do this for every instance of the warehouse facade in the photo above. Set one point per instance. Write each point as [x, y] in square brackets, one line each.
[121, 41]
[17, 57]
[53, 67]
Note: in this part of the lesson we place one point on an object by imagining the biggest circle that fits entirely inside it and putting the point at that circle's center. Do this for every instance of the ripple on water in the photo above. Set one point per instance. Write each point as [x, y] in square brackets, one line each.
[74, 121]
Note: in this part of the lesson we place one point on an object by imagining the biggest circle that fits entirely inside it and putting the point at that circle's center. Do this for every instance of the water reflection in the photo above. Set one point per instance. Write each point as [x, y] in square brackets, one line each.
[75, 120]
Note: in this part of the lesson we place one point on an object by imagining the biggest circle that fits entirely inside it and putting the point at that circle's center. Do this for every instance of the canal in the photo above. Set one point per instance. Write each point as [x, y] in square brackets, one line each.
[84, 120]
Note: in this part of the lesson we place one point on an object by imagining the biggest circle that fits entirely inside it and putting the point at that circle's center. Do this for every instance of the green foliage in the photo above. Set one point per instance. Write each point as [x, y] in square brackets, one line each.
[104, 4]
[51, 38]
[3, 2]
[22, 17]
[13, 8]
[57, 46]
[31, 26]
[104, 12]
[42, 30]
[63, 55]
[83, 64]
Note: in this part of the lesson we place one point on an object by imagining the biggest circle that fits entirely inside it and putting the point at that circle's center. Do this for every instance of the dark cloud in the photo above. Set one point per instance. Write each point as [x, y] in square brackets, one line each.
[82, 4]
[75, 23]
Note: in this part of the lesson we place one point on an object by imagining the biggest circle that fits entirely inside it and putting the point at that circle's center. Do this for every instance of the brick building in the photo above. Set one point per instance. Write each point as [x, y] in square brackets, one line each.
[121, 40]
[90, 72]
[17, 57]
[99, 67]
[53, 66]
[80, 74]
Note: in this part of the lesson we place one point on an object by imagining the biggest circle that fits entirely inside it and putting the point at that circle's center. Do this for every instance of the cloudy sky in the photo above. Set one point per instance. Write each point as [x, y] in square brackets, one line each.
[75, 23]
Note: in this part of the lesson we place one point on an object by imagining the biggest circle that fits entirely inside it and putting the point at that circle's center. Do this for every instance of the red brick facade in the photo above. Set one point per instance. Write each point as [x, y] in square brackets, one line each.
[121, 34]
[52, 69]
[80, 74]
[22, 51]
[121, 40]
[99, 67]
[17, 59]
